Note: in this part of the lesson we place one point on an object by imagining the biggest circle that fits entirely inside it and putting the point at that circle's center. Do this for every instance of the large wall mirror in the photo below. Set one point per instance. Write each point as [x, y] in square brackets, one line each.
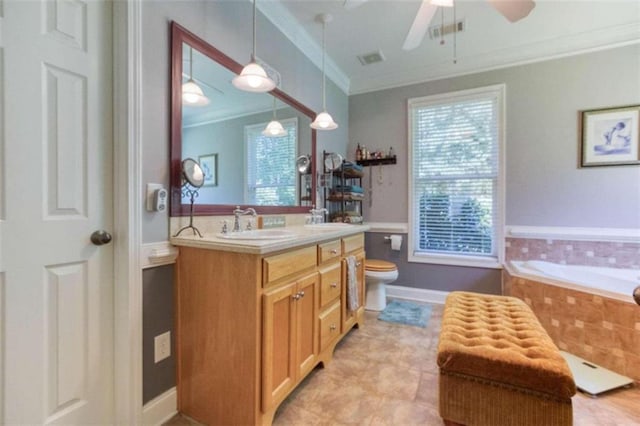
[223, 132]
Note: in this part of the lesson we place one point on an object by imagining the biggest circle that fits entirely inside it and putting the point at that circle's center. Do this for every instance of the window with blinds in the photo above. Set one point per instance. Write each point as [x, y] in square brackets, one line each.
[271, 173]
[456, 185]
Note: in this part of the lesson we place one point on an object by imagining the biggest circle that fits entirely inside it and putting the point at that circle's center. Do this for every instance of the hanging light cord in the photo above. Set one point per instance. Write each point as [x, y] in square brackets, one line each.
[253, 56]
[324, 77]
[455, 33]
[274, 108]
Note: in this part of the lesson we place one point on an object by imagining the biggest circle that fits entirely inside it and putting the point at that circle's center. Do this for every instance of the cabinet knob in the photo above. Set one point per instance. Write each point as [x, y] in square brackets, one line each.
[334, 251]
[296, 296]
[301, 294]
[358, 264]
[333, 327]
[333, 285]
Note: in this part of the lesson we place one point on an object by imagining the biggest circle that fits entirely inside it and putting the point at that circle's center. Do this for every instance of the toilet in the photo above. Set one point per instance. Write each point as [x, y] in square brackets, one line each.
[378, 273]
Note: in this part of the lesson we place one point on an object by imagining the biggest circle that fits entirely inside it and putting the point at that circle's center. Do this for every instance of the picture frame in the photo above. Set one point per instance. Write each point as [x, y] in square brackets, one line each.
[209, 165]
[610, 136]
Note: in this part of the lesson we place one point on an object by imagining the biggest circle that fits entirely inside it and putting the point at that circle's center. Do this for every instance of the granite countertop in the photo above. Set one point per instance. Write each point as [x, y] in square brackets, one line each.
[300, 236]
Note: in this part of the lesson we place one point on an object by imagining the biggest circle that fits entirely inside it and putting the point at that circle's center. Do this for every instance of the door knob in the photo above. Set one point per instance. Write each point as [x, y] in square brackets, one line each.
[101, 237]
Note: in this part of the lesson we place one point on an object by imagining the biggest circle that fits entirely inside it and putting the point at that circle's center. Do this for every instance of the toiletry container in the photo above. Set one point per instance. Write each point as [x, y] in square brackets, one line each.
[378, 273]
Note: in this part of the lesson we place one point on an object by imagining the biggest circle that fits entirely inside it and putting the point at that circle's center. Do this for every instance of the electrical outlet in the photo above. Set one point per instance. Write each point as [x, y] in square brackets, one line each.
[150, 196]
[162, 346]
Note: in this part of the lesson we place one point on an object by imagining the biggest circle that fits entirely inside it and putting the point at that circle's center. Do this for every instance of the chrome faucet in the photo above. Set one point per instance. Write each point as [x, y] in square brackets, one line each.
[317, 215]
[239, 212]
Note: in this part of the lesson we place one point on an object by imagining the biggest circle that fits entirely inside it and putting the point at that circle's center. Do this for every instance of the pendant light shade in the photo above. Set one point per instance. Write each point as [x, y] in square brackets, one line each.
[443, 3]
[192, 94]
[274, 129]
[323, 120]
[253, 77]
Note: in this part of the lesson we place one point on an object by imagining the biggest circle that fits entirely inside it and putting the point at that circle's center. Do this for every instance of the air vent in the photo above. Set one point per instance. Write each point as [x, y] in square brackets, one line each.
[371, 58]
[438, 31]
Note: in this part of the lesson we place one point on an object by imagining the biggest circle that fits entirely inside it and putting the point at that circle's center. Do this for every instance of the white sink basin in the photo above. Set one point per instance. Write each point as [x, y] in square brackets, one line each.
[328, 225]
[259, 234]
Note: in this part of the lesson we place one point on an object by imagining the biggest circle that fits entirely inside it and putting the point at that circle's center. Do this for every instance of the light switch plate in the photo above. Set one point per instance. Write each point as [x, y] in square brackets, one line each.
[162, 347]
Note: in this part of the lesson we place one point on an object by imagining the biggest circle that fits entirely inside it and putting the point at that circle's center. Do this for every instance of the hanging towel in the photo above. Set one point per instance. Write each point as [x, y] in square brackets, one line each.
[352, 284]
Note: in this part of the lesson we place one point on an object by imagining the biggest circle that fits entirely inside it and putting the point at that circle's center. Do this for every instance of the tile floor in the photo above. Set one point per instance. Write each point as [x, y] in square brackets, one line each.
[386, 374]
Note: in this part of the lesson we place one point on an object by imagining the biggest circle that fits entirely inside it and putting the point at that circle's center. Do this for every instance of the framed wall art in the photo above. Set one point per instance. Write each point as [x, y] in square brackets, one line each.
[209, 165]
[610, 137]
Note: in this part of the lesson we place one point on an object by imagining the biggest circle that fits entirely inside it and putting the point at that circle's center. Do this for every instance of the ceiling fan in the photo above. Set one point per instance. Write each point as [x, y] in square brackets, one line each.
[513, 10]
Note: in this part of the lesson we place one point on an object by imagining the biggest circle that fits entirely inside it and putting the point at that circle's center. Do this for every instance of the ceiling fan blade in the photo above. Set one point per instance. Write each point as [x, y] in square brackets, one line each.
[513, 10]
[352, 4]
[420, 25]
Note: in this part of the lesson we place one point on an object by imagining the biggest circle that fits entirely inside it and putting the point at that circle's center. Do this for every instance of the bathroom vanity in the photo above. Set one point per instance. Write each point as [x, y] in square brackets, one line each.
[254, 317]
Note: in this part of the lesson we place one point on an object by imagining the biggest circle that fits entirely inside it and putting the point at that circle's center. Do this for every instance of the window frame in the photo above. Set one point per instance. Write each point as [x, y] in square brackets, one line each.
[258, 127]
[498, 92]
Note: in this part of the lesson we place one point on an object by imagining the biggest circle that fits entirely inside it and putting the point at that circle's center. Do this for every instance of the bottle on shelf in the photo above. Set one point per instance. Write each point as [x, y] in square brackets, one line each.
[391, 152]
[358, 153]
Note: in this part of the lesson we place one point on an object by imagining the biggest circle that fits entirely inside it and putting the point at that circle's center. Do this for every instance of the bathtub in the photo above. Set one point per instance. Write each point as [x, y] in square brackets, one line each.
[606, 282]
[588, 311]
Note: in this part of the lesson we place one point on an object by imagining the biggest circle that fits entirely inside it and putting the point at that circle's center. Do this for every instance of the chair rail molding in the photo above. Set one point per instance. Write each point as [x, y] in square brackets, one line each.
[570, 233]
[157, 254]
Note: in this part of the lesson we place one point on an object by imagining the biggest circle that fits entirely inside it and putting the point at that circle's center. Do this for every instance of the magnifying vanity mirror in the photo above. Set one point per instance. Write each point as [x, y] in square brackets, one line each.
[192, 172]
[222, 131]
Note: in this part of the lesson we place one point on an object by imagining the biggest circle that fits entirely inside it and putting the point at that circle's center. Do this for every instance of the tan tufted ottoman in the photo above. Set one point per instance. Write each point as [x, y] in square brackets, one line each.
[498, 366]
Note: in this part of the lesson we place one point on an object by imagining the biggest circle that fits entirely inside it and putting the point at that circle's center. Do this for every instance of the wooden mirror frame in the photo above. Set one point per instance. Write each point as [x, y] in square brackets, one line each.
[180, 35]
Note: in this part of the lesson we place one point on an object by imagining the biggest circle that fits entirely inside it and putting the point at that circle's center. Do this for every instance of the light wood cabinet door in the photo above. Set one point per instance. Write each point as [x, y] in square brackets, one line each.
[330, 284]
[306, 324]
[290, 342]
[349, 317]
[279, 338]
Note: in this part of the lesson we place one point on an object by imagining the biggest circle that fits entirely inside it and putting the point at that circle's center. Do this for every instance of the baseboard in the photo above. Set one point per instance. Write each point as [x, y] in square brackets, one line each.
[160, 409]
[417, 294]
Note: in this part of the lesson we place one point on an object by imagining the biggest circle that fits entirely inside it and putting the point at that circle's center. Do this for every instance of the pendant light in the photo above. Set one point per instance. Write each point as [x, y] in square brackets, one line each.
[274, 129]
[324, 121]
[192, 93]
[253, 77]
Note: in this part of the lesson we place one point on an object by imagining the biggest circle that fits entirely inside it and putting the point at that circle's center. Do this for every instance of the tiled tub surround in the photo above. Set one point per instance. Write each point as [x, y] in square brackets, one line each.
[599, 329]
[592, 253]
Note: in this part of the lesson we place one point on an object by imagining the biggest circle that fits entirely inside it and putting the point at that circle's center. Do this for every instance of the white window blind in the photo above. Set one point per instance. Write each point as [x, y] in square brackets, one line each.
[271, 173]
[456, 185]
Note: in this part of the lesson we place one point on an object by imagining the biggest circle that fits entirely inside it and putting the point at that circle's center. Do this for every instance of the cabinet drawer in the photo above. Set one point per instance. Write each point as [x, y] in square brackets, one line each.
[330, 279]
[328, 251]
[281, 265]
[329, 325]
[355, 242]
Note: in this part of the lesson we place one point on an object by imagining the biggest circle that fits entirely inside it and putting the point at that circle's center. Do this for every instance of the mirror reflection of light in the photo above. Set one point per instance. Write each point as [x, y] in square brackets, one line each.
[197, 173]
[274, 129]
[324, 121]
[192, 94]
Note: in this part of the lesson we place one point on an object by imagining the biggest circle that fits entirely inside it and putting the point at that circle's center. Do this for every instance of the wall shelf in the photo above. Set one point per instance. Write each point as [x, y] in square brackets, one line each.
[377, 161]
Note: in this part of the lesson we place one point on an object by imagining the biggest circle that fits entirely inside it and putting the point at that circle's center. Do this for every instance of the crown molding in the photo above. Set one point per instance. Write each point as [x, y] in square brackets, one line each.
[287, 24]
[560, 47]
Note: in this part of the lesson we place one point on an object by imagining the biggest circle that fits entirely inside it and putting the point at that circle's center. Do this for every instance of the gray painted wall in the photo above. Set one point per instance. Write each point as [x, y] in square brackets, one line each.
[544, 186]
[226, 25]
[157, 318]
[433, 277]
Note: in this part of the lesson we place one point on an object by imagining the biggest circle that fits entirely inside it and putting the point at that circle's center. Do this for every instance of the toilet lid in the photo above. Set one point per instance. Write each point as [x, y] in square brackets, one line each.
[379, 265]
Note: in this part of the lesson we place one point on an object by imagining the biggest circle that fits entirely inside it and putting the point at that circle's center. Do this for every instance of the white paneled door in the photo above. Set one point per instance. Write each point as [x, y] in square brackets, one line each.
[56, 286]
